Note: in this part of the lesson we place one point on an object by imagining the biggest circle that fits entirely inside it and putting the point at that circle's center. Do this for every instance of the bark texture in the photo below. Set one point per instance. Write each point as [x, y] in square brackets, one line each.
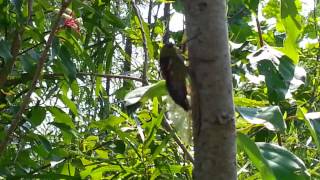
[212, 101]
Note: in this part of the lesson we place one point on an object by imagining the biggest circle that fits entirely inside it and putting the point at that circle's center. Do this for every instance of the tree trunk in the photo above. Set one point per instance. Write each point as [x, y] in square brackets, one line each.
[212, 102]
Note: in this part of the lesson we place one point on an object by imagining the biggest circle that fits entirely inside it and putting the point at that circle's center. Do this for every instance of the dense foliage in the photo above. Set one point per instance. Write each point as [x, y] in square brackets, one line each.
[99, 109]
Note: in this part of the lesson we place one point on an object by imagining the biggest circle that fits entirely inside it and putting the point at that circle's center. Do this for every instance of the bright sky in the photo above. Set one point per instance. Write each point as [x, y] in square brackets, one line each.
[176, 22]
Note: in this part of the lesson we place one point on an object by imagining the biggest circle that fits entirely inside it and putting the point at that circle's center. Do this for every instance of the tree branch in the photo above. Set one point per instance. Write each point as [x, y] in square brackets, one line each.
[17, 118]
[144, 44]
[27, 77]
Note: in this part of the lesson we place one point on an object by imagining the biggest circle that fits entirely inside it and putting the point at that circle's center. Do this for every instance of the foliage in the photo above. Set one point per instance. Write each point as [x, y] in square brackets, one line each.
[90, 117]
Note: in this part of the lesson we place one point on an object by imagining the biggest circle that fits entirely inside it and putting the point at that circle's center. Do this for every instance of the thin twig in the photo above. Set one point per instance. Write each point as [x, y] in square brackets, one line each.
[30, 11]
[110, 76]
[17, 118]
[176, 138]
[155, 22]
[259, 32]
[150, 12]
[26, 77]
[32, 47]
[144, 44]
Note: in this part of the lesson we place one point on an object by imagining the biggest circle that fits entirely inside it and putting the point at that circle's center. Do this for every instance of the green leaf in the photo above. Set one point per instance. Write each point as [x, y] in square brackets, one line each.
[149, 41]
[113, 19]
[41, 151]
[284, 164]
[44, 141]
[291, 21]
[112, 121]
[68, 169]
[61, 117]
[99, 81]
[70, 104]
[89, 143]
[271, 117]
[47, 175]
[312, 121]
[250, 148]
[29, 63]
[69, 68]
[68, 133]
[282, 77]
[252, 5]
[178, 6]
[37, 115]
[120, 147]
[242, 101]
[145, 93]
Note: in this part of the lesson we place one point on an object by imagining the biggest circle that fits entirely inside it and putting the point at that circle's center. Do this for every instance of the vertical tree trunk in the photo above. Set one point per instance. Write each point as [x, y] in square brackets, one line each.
[127, 61]
[212, 106]
[166, 15]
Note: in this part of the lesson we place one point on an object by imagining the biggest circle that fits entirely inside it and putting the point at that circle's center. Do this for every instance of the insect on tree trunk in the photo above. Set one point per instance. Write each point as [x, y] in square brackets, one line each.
[212, 101]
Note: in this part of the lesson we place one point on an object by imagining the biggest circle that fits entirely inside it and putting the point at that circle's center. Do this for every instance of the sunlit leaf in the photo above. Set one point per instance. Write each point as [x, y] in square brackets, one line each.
[284, 164]
[145, 93]
[270, 117]
[61, 117]
[70, 104]
[255, 156]
[312, 121]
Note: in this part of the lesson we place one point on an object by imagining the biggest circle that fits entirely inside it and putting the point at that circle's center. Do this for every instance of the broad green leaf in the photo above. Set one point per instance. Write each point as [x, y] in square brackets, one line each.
[284, 164]
[37, 115]
[270, 117]
[113, 121]
[252, 5]
[69, 68]
[242, 101]
[113, 20]
[60, 116]
[145, 93]
[178, 6]
[240, 31]
[68, 169]
[154, 125]
[251, 149]
[44, 141]
[282, 77]
[119, 147]
[89, 143]
[29, 63]
[160, 147]
[71, 44]
[291, 21]
[312, 121]
[102, 153]
[170, 170]
[41, 151]
[24, 159]
[70, 104]
[68, 133]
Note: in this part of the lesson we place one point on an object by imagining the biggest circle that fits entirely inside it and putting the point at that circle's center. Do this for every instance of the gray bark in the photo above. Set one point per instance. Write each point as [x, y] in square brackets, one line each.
[212, 101]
